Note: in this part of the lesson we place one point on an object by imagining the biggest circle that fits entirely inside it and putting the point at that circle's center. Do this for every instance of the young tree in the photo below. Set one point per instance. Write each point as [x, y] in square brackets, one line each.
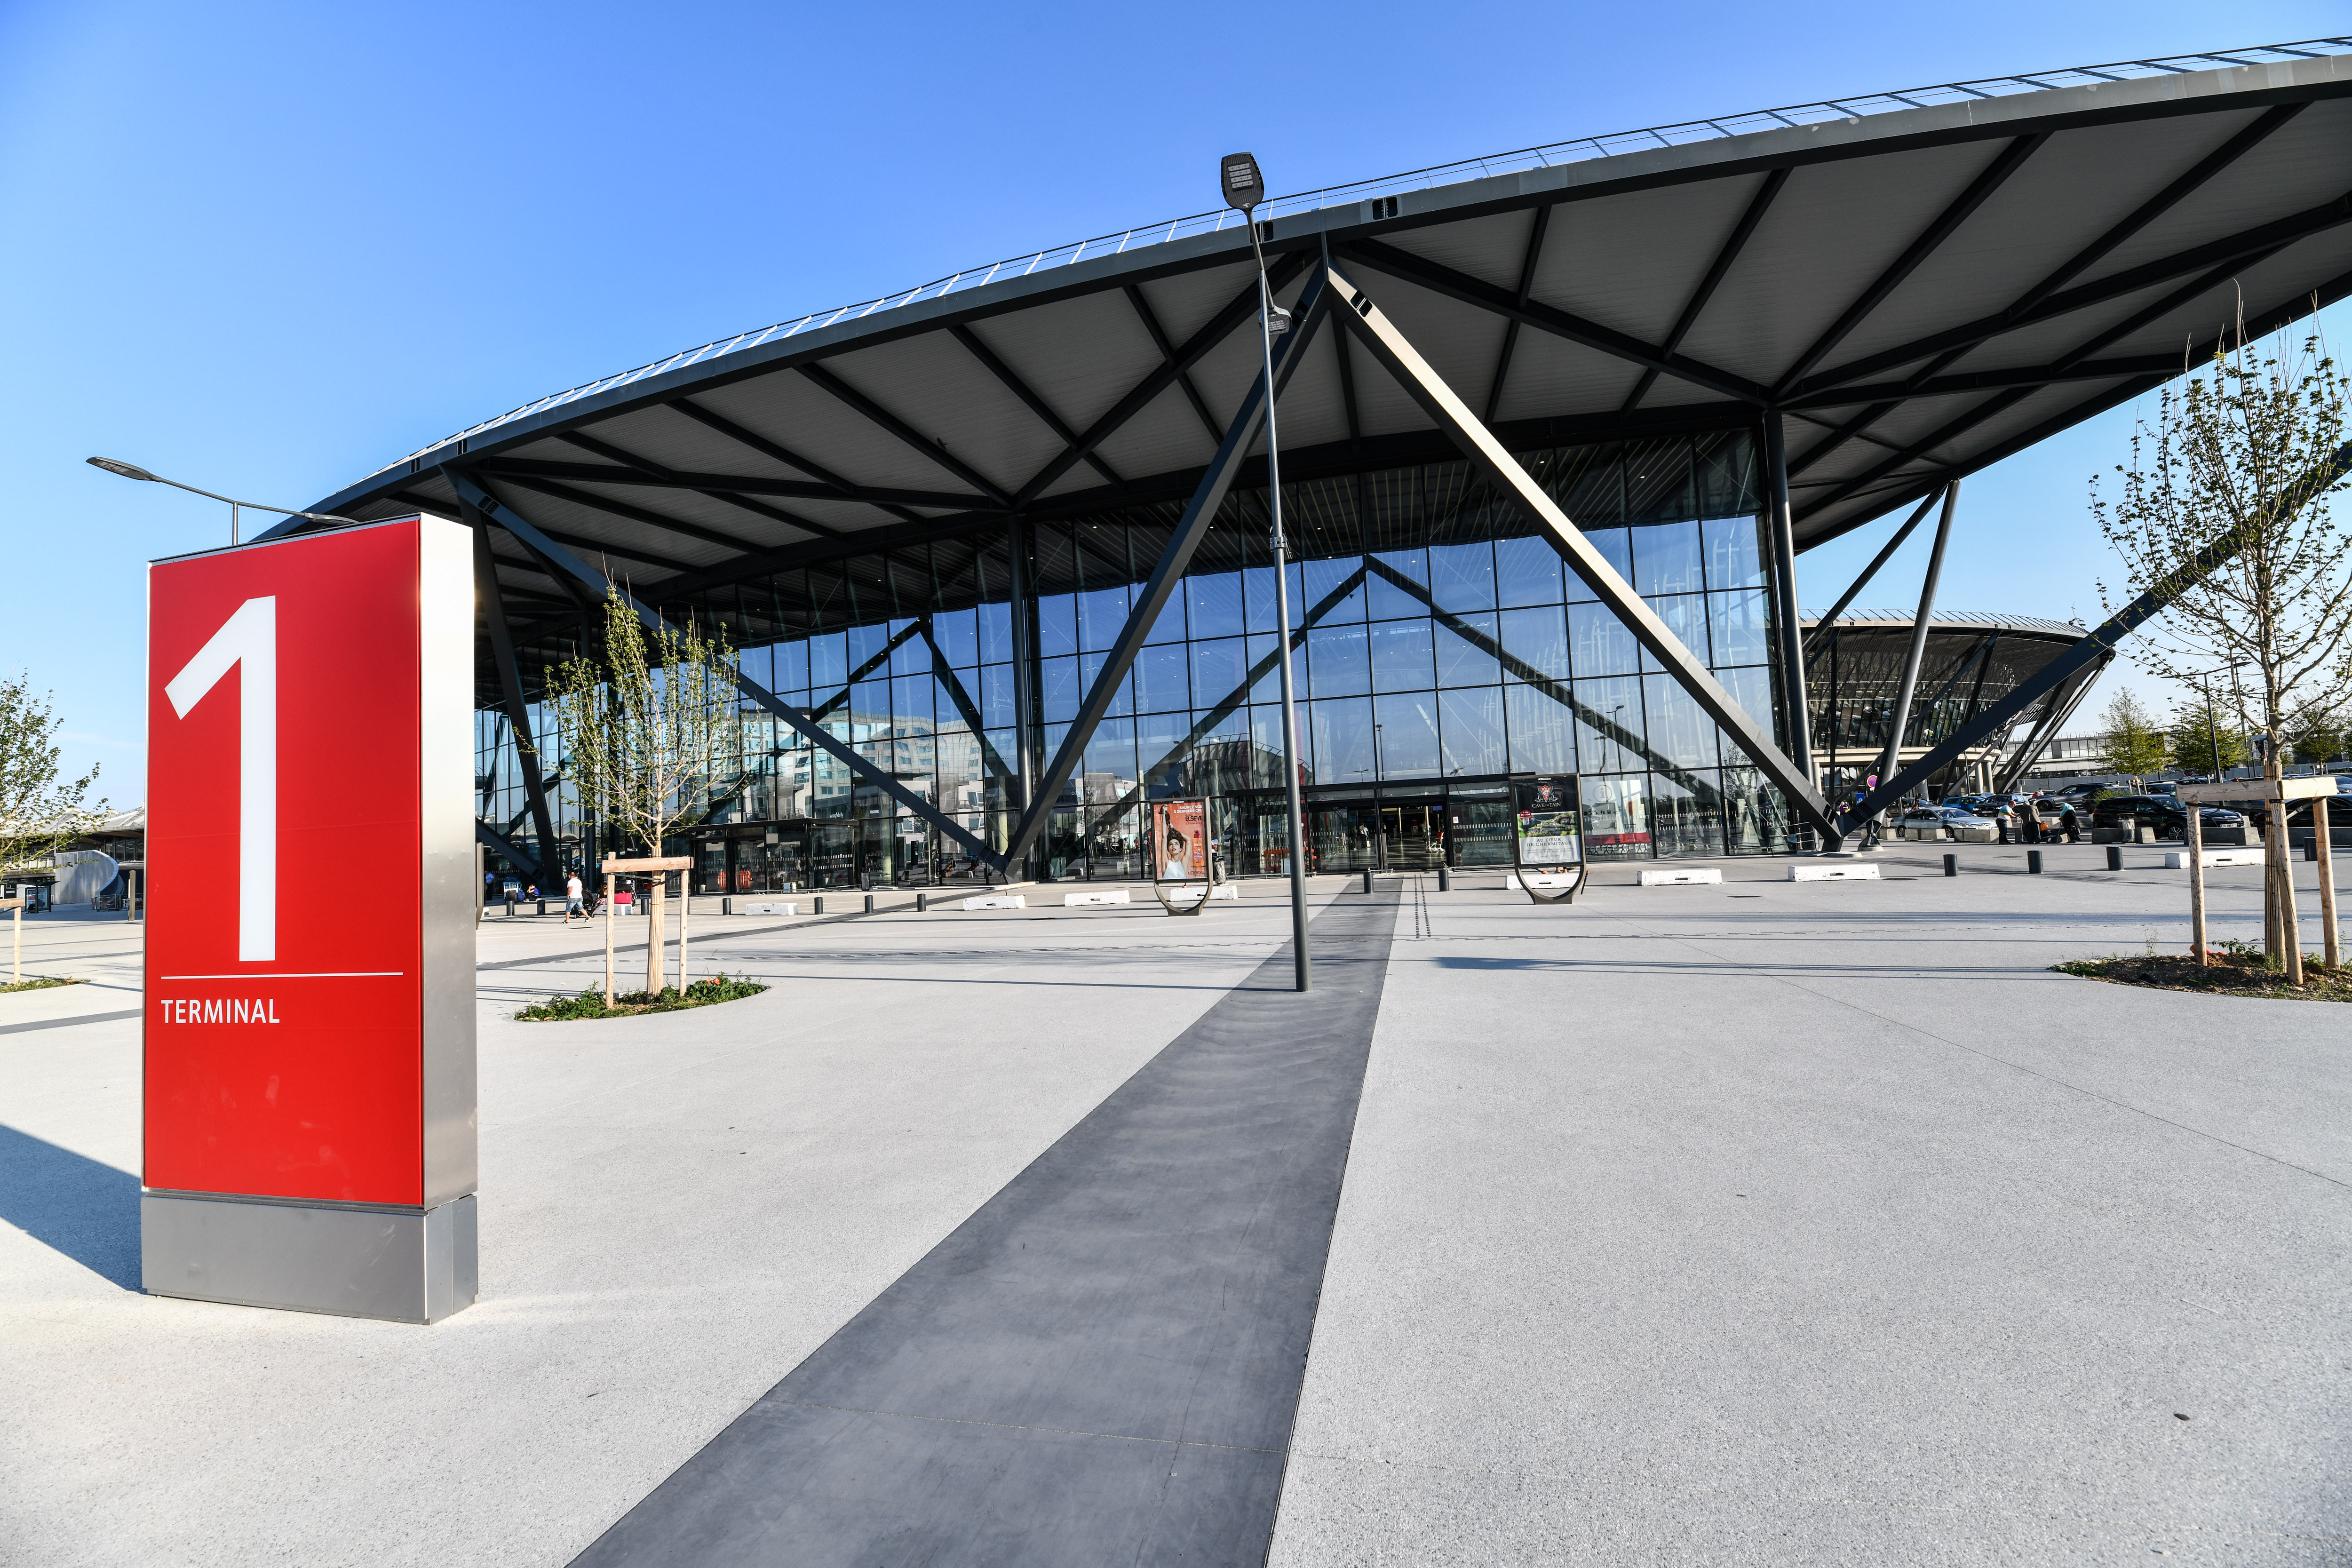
[40, 812]
[2318, 739]
[2231, 485]
[2205, 739]
[646, 732]
[2136, 741]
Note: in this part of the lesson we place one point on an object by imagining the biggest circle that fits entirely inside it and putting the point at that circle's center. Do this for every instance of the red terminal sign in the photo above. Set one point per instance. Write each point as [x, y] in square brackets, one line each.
[309, 1020]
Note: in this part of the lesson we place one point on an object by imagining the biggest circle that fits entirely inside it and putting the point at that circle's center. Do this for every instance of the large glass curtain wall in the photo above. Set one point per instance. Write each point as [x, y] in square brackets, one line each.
[1441, 648]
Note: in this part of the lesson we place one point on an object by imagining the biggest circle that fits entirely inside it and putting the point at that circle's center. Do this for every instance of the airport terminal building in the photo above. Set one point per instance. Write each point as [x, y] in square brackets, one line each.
[996, 550]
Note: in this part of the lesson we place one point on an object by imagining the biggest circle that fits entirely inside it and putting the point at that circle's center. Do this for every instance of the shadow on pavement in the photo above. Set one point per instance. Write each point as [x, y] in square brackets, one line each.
[85, 1209]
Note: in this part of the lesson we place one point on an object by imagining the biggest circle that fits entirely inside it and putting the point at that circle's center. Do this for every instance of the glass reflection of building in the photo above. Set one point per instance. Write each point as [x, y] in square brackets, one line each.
[1441, 650]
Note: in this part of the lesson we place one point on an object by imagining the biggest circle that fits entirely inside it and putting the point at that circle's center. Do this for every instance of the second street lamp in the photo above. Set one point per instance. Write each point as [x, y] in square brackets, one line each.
[1244, 187]
[133, 471]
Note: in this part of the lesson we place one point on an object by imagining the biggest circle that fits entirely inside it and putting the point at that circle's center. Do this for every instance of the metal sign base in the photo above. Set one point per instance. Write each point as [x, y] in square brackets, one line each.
[407, 1266]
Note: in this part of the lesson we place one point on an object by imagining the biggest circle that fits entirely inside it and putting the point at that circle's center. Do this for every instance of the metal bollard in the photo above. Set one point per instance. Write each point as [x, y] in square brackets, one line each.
[820, 906]
[542, 906]
[922, 903]
[2033, 862]
[1951, 865]
[1368, 878]
[869, 903]
[2311, 849]
[727, 906]
[510, 908]
[1445, 880]
[2115, 857]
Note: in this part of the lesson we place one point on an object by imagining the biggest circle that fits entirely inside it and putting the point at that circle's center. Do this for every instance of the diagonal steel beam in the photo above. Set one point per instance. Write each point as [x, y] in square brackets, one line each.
[1724, 258]
[505, 517]
[1028, 396]
[1470, 290]
[622, 509]
[1241, 308]
[1890, 394]
[494, 618]
[789, 489]
[2097, 646]
[844, 490]
[1916, 653]
[818, 714]
[1924, 381]
[944, 673]
[1182, 540]
[651, 469]
[1990, 179]
[1168, 356]
[914, 439]
[1372, 326]
[1235, 698]
[1862, 579]
[2229, 251]
[1511, 327]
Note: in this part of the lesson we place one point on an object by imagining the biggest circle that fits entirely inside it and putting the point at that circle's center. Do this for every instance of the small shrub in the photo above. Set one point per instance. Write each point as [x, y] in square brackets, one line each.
[41, 983]
[590, 1003]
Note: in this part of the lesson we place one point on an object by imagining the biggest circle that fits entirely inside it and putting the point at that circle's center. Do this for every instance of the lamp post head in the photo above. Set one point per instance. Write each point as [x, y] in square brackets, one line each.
[128, 470]
[1244, 186]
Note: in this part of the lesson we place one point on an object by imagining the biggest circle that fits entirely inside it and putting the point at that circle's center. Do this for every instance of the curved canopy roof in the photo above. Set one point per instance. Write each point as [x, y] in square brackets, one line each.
[1920, 289]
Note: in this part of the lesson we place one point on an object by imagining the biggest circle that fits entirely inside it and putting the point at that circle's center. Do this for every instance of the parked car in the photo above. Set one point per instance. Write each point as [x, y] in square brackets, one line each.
[1939, 821]
[2167, 815]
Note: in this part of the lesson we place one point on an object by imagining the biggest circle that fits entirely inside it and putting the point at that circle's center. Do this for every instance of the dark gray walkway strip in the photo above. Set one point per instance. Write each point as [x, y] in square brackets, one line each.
[1102, 1364]
[61, 1023]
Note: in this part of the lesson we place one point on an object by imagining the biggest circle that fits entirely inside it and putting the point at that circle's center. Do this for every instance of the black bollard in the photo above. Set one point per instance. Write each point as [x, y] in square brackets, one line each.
[727, 906]
[2033, 862]
[869, 903]
[1951, 865]
[820, 906]
[1368, 878]
[2311, 849]
[2115, 857]
[1445, 880]
[922, 903]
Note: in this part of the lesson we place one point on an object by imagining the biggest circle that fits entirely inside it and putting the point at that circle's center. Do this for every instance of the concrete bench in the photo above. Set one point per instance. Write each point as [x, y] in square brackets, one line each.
[1071, 900]
[2177, 859]
[1683, 877]
[1821, 873]
[997, 901]
[772, 908]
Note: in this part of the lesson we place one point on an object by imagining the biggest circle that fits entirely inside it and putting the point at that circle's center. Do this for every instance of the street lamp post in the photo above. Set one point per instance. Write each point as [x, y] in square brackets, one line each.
[1243, 188]
[133, 471]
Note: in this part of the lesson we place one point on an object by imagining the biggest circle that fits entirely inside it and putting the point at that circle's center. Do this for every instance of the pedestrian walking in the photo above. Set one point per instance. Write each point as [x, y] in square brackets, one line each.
[573, 893]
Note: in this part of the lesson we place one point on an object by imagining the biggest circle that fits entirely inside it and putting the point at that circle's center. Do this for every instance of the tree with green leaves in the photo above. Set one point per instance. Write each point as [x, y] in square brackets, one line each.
[2231, 490]
[646, 732]
[2136, 744]
[41, 810]
[2206, 739]
[2318, 739]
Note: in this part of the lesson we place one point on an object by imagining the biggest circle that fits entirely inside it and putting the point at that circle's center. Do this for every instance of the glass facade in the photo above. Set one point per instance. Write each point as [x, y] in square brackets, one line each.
[1440, 648]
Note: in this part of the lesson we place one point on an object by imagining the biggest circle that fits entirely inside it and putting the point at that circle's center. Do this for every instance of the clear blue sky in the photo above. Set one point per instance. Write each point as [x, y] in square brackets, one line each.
[265, 248]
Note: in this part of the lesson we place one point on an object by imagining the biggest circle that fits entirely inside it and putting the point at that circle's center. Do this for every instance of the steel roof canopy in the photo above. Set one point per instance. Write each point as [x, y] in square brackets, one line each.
[1918, 292]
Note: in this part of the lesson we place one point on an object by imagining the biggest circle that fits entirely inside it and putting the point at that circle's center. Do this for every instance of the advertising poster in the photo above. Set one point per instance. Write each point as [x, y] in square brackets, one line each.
[1179, 841]
[1546, 830]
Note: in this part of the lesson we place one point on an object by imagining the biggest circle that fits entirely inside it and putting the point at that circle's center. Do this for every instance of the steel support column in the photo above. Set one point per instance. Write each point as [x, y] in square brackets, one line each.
[473, 494]
[1796, 714]
[1917, 652]
[1355, 308]
[494, 617]
[1190, 529]
[1863, 580]
[1027, 736]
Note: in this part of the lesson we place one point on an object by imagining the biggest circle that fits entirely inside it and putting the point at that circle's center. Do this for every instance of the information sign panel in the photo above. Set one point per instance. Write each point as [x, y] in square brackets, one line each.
[308, 1028]
[1547, 837]
[1180, 840]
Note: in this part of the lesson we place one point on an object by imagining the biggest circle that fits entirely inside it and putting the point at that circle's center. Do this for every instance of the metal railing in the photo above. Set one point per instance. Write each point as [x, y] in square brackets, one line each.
[1553, 154]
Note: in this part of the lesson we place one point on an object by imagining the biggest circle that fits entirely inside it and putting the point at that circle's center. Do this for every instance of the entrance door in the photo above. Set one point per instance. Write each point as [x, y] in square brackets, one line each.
[1415, 837]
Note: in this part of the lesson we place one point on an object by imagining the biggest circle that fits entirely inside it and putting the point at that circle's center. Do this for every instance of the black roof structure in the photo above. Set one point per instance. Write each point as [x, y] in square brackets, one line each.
[1920, 283]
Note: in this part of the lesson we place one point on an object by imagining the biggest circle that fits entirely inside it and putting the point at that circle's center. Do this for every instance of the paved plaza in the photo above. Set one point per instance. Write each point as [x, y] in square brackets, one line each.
[1760, 1223]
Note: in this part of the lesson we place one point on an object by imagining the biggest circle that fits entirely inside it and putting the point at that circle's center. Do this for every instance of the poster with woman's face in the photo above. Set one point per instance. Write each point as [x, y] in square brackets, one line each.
[1180, 840]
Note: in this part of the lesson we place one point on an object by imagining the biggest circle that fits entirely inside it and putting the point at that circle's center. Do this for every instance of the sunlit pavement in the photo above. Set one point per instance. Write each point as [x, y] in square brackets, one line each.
[1754, 1223]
